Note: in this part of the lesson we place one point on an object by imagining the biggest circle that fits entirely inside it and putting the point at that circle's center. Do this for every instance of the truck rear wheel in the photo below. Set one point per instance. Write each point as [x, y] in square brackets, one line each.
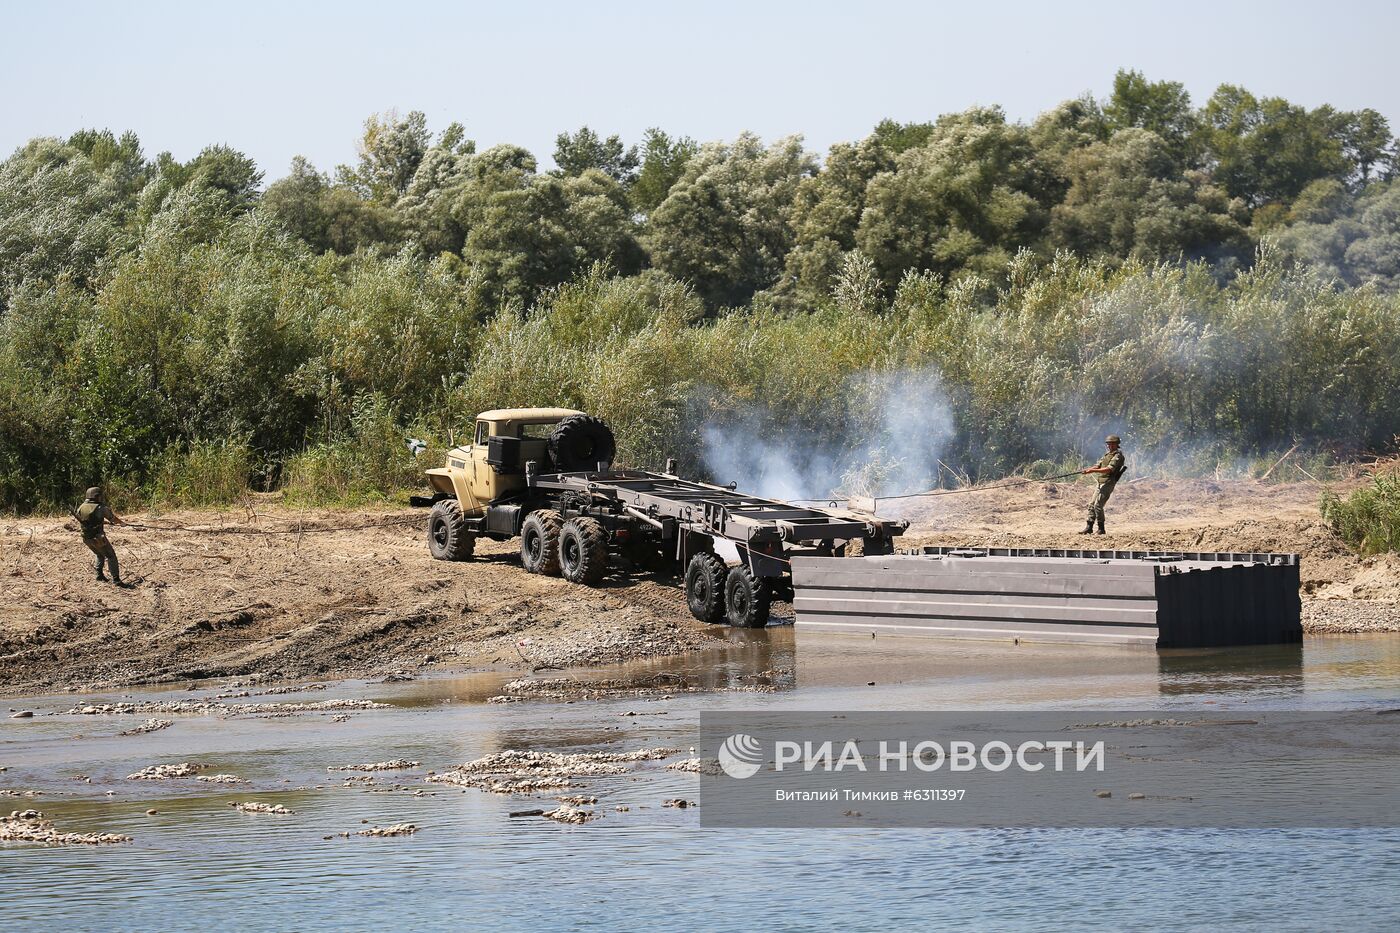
[583, 551]
[747, 598]
[448, 537]
[876, 546]
[704, 588]
[539, 542]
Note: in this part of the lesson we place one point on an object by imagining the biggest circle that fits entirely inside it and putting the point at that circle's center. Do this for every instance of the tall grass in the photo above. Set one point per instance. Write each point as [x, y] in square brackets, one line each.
[1369, 518]
[369, 463]
[314, 369]
[1199, 377]
[205, 473]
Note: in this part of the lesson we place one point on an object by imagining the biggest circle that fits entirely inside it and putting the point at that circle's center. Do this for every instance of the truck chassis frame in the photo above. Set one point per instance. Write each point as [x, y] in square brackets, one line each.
[661, 515]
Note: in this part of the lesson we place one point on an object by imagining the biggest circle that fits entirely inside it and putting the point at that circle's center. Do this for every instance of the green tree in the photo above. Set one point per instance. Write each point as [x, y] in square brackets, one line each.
[426, 205]
[297, 203]
[1067, 128]
[1321, 202]
[403, 330]
[118, 159]
[663, 162]
[726, 225]
[1354, 239]
[1163, 107]
[353, 224]
[1128, 198]
[1268, 150]
[326, 216]
[1374, 256]
[826, 214]
[226, 170]
[601, 226]
[583, 151]
[524, 232]
[390, 151]
[1368, 143]
[60, 216]
[966, 201]
[227, 176]
[895, 137]
[547, 231]
[489, 208]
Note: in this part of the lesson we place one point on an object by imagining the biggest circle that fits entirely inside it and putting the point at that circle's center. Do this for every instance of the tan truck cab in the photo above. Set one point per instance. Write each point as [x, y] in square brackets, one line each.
[493, 464]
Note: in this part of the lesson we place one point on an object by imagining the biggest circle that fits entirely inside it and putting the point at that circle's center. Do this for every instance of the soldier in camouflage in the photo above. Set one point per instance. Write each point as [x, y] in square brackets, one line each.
[93, 516]
[1107, 471]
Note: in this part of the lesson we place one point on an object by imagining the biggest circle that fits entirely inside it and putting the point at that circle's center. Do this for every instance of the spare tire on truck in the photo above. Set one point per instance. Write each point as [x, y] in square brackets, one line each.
[580, 442]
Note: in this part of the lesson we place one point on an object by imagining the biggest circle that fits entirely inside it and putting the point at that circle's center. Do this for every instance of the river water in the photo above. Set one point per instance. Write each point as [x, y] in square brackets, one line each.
[198, 863]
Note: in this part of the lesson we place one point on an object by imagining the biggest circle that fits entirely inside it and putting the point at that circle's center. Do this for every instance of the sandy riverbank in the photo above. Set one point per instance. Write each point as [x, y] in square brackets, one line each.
[285, 594]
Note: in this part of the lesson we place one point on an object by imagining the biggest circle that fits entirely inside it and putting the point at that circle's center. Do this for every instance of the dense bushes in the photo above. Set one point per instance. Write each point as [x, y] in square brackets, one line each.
[249, 355]
[1369, 518]
[367, 461]
[956, 298]
[1001, 376]
[202, 474]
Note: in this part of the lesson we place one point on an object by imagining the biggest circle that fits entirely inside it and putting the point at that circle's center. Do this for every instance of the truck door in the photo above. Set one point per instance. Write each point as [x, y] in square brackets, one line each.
[483, 477]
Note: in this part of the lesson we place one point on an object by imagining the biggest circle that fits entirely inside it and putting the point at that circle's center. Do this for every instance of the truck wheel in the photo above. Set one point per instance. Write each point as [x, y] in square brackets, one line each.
[448, 537]
[747, 598]
[539, 542]
[704, 588]
[580, 442]
[583, 551]
[876, 546]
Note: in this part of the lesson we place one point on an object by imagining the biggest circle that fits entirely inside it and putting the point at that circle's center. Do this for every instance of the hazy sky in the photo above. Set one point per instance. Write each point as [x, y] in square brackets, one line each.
[281, 79]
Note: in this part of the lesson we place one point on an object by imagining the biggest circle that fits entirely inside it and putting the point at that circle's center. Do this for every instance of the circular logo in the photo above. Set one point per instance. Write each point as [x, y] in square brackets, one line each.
[741, 755]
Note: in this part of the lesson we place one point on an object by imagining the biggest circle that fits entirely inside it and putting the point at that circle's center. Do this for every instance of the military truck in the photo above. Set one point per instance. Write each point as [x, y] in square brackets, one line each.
[546, 476]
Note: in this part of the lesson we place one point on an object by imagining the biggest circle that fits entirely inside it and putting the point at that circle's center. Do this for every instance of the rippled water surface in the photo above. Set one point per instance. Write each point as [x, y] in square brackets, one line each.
[198, 863]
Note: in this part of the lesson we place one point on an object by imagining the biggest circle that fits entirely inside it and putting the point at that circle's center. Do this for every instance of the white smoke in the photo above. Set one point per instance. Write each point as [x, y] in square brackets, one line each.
[895, 428]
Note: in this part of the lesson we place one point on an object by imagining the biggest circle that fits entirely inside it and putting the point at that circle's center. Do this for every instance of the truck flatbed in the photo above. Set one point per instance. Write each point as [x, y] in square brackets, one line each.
[719, 511]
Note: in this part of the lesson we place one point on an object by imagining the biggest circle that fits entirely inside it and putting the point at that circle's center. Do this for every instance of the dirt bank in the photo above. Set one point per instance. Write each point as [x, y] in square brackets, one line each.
[284, 594]
[279, 594]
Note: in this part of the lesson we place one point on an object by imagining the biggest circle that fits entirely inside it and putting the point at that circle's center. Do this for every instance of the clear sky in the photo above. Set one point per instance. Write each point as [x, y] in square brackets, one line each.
[278, 79]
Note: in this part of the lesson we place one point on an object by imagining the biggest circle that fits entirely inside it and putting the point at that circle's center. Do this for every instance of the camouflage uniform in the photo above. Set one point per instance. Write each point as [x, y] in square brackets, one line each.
[93, 516]
[1115, 461]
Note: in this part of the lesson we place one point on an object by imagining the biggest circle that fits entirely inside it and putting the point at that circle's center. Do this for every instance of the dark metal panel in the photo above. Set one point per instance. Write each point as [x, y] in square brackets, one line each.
[974, 566]
[972, 629]
[1070, 584]
[1182, 603]
[897, 605]
[1214, 557]
[977, 598]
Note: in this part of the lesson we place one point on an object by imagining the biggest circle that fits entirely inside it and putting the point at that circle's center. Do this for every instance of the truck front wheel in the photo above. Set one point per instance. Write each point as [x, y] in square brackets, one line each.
[583, 551]
[448, 537]
[747, 598]
[704, 588]
[539, 542]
